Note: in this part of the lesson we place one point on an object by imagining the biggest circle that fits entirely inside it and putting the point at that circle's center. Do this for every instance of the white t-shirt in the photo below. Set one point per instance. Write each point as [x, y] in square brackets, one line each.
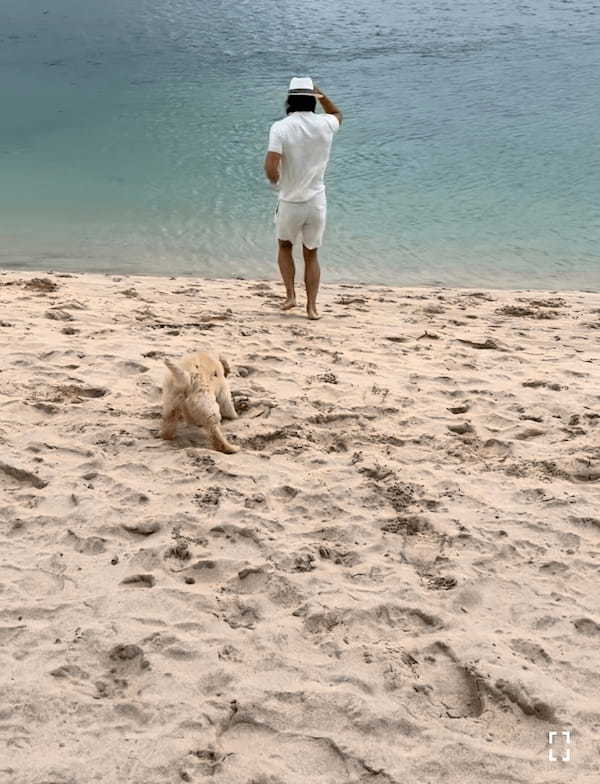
[304, 141]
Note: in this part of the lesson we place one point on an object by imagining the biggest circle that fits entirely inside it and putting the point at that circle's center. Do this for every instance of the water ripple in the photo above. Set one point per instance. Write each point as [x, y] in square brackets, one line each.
[133, 134]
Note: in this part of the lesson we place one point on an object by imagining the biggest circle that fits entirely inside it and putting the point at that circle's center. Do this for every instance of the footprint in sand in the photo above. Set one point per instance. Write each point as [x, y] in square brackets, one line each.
[532, 651]
[347, 558]
[124, 662]
[422, 545]
[587, 626]
[89, 545]
[448, 685]
[21, 475]
[251, 579]
[140, 580]
[528, 433]
[242, 615]
[130, 367]
[70, 672]
[288, 757]
[58, 315]
[376, 622]
[246, 370]
[592, 523]
[586, 469]
[36, 582]
[74, 393]
[142, 527]
[553, 568]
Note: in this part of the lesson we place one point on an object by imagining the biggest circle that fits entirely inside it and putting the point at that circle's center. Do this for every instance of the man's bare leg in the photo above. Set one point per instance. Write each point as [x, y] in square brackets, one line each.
[312, 276]
[288, 271]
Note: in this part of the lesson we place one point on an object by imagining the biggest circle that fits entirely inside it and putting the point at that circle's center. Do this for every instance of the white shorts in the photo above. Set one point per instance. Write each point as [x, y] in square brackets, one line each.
[306, 217]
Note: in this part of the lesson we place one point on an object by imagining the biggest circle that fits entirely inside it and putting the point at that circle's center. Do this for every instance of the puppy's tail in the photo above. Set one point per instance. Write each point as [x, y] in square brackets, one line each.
[226, 365]
[182, 379]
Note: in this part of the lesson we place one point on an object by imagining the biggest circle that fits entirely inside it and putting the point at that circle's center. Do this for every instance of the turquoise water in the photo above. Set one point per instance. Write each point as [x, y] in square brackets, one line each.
[132, 136]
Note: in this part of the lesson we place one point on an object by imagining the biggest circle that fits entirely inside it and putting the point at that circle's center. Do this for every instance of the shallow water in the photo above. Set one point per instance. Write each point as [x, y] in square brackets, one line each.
[132, 136]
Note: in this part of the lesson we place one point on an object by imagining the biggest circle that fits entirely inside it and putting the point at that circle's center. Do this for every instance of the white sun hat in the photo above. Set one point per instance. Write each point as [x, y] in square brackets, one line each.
[302, 85]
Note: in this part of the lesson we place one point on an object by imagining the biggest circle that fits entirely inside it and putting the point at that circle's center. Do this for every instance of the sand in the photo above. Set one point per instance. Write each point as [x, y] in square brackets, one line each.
[394, 581]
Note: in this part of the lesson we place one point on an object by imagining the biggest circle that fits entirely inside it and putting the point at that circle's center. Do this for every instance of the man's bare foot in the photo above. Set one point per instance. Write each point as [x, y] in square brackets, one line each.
[289, 303]
[313, 314]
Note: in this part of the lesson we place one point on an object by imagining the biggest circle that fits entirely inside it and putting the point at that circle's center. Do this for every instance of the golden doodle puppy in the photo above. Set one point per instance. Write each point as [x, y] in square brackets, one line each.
[196, 390]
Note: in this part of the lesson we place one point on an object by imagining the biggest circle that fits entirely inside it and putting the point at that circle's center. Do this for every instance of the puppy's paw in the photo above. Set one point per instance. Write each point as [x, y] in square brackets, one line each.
[168, 435]
[227, 448]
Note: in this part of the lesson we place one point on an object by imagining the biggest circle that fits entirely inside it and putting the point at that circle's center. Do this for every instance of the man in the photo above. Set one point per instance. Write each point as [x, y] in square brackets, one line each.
[297, 157]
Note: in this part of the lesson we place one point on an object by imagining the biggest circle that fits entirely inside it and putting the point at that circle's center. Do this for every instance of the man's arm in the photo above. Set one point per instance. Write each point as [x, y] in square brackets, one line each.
[272, 166]
[274, 153]
[328, 105]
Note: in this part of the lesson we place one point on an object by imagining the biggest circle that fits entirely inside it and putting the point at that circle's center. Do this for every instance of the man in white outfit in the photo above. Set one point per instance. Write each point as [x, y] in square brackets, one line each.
[299, 147]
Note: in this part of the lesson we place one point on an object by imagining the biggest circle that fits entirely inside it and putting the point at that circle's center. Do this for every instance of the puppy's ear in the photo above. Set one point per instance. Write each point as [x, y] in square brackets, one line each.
[182, 379]
[226, 367]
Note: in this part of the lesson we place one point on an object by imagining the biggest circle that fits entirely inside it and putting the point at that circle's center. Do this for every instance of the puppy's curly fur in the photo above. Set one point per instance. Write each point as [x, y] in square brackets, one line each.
[196, 390]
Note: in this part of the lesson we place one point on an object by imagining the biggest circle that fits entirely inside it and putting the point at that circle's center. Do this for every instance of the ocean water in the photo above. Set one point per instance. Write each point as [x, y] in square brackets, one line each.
[133, 132]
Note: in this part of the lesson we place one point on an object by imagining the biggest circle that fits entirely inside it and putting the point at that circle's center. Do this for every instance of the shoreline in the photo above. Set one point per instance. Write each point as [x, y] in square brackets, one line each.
[468, 270]
[393, 580]
[276, 280]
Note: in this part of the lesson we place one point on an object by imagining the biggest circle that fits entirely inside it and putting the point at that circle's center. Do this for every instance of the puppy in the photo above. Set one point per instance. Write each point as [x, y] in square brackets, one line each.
[196, 390]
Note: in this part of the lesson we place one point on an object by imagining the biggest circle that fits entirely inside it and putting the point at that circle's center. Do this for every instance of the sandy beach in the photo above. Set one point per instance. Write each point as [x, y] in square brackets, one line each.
[395, 581]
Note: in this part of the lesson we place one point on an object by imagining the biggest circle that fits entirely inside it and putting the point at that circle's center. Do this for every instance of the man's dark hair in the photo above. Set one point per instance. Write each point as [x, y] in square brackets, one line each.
[300, 103]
